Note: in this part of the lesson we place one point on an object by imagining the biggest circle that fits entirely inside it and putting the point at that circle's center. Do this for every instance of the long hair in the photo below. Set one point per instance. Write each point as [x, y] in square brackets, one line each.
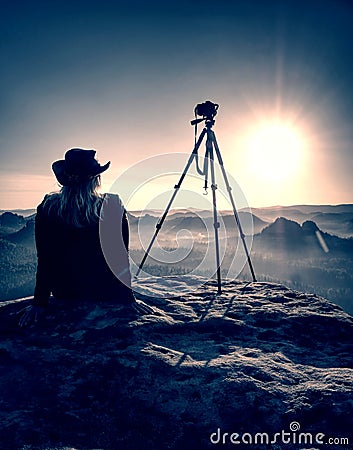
[78, 205]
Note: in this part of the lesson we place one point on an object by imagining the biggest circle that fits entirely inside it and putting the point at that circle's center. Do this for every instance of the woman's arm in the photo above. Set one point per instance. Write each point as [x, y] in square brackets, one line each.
[43, 276]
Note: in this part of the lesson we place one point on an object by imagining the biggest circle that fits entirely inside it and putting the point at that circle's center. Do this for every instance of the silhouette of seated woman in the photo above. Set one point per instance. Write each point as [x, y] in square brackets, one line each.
[82, 240]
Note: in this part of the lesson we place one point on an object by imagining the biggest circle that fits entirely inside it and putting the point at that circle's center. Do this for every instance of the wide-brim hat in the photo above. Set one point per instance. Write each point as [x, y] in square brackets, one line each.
[78, 166]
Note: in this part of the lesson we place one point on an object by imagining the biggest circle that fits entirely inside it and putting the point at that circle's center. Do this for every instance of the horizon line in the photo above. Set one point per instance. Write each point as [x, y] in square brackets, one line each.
[203, 209]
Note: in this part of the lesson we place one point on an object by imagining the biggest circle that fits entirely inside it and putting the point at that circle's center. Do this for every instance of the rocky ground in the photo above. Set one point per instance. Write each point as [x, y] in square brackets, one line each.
[259, 358]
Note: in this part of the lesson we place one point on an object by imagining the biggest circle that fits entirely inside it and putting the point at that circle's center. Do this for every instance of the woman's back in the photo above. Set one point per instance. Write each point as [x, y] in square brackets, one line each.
[71, 261]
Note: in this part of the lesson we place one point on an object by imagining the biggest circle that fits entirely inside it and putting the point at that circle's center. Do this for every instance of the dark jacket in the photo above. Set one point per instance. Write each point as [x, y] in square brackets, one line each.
[72, 263]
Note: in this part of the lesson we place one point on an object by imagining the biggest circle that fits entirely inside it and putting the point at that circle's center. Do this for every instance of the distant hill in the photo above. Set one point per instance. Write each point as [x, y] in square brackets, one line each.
[303, 209]
[271, 214]
[24, 236]
[146, 220]
[10, 222]
[21, 212]
[200, 222]
[340, 224]
[306, 239]
[334, 219]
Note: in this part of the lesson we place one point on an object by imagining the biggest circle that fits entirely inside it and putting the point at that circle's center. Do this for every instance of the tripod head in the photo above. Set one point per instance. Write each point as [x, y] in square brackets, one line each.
[207, 110]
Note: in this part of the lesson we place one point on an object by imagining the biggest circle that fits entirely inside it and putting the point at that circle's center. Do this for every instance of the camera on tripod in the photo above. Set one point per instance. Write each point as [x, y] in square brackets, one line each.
[207, 109]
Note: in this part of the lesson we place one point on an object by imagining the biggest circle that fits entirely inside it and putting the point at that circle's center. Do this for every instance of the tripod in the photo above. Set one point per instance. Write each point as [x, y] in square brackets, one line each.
[211, 149]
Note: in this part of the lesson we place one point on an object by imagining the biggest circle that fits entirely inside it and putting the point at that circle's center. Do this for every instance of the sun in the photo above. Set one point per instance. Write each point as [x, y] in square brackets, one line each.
[275, 150]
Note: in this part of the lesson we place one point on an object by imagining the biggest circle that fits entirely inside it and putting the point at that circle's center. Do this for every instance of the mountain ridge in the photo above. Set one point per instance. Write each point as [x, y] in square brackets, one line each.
[306, 237]
[315, 261]
[335, 219]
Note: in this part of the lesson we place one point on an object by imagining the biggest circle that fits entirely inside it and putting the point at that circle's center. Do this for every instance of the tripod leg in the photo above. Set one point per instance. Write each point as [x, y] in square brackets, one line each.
[229, 189]
[214, 200]
[176, 189]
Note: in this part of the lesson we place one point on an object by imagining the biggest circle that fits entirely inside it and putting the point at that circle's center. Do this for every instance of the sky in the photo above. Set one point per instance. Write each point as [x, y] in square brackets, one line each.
[124, 77]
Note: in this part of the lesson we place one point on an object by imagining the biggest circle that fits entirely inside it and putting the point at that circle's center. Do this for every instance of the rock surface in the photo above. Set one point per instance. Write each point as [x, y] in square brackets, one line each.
[256, 359]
